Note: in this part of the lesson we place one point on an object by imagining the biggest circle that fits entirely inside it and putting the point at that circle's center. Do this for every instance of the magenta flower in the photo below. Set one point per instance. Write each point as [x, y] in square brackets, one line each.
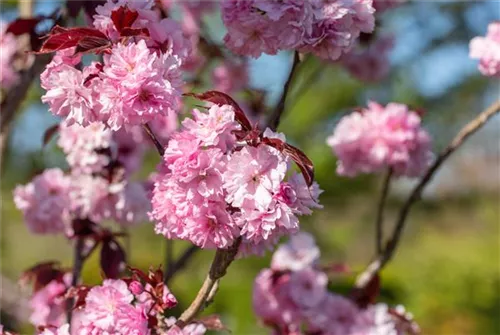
[487, 50]
[379, 138]
[8, 44]
[49, 305]
[45, 202]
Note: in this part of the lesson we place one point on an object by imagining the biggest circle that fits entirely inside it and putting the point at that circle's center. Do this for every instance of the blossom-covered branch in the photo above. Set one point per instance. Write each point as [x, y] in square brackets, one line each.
[469, 129]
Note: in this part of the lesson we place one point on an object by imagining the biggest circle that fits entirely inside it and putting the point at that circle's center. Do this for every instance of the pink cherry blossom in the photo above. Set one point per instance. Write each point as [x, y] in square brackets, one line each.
[371, 63]
[299, 253]
[487, 50]
[379, 138]
[81, 146]
[300, 197]
[8, 44]
[230, 76]
[129, 146]
[132, 320]
[68, 96]
[168, 37]
[48, 304]
[45, 202]
[62, 330]
[133, 204]
[308, 287]
[254, 174]
[104, 303]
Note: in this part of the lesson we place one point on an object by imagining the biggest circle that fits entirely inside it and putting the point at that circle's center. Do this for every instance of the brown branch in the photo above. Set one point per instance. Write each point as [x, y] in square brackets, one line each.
[280, 107]
[469, 129]
[180, 263]
[379, 234]
[154, 139]
[223, 258]
[78, 260]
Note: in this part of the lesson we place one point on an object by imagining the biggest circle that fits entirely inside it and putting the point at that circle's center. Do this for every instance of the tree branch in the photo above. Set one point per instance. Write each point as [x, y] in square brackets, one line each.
[280, 107]
[223, 258]
[154, 139]
[469, 129]
[76, 272]
[379, 234]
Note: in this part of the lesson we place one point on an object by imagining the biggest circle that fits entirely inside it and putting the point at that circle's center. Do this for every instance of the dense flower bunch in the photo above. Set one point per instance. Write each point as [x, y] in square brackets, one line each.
[8, 45]
[214, 187]
[139, 79]
[378, 138]
[134, 305]
[369, 63]
[487, 50]
[325, 28]
[292, 297]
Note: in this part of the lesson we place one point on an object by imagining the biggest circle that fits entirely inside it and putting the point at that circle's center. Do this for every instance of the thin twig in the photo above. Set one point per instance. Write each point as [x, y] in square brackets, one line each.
[470, 128]
[154, 139]
[223, 258]
[280, 107]
[180, 263]
[78, 260]
[379, 234]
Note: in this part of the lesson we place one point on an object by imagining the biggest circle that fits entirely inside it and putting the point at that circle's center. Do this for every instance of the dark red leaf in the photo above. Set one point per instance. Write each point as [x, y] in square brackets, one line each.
[79, 293]
[213, 322]
[303, 162]
[220, 99]
[42, 274]
[61, 38]
[129, 32]
[74, 7]
[49, 133]
[368, 294]
[123, 17]
[89, 78]
[112, 258]
[93, 44]
[23, 26]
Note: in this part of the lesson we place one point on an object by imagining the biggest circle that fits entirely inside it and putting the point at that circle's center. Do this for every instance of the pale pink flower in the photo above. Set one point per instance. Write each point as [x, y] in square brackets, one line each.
[130, 146]
[49, 305]
[168, 37]
[45, 202]
[133, 205]
[132, 320]
[82, 146]
[8, 45]
[300, 197]
[299, 253]
[254, 174]
[190, 329]
[62, 330]
[370, 63]
[230, 77]
[164, 126]
[214, 128]
[333, 315]
[68, 97]
[103, 304]
[380, 137]
[487, 50]
[89, 197]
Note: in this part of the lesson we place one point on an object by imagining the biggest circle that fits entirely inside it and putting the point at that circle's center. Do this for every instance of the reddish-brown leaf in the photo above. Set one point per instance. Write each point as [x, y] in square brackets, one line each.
[220, 99]
[368, 294]
[112, 258]
[93, 45]
[23, 26]
[123, 17]
[41, 274]
[79, 293]
[61, 38]
[129, 32]
[49, 133]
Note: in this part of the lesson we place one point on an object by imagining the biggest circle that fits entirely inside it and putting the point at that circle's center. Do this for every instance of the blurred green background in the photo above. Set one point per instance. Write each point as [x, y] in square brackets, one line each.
[447, 270]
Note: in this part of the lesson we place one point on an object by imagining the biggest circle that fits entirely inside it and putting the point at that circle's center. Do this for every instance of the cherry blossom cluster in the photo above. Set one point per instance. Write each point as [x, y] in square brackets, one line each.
[378, 138]
[96, 187]
[139, 79]
[369, 63]
[292, 297]
[8, 45]
[325, 28]
[215, 185]
[132, 305]
[487, 50]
